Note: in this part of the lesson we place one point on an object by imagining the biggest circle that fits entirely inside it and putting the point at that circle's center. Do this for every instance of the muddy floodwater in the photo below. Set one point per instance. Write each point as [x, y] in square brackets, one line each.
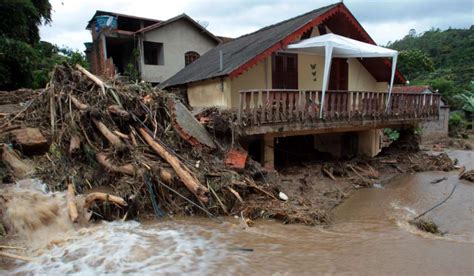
[370, 235]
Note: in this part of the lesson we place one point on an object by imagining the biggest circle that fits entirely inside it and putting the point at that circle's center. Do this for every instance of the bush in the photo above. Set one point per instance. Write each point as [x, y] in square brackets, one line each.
[457, 124]
[456, 118]
[392, 134]
[17, 61]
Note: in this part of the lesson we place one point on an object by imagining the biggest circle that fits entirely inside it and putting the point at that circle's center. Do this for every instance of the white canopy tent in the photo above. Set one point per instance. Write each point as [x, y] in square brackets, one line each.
[332, 45]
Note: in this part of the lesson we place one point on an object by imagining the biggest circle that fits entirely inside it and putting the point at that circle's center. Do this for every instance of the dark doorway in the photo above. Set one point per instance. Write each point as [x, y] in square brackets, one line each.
[285, 71]
[339, 76]
[350, 143]
[296, 150]
[121, 52]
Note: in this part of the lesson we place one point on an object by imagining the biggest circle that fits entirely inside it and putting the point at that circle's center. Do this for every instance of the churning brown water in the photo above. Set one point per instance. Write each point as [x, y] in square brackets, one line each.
[370, 235]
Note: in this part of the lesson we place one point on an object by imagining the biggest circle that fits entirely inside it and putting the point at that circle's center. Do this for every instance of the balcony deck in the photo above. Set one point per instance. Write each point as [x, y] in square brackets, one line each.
[275, 110]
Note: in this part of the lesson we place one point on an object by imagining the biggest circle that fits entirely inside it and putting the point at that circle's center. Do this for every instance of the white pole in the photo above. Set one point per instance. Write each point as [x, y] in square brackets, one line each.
[394, 67]
[327, 70]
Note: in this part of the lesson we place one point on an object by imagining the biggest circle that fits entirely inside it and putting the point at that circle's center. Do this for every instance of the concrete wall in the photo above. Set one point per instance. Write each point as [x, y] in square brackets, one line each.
[178, 38]
[436, 129]
[370, 142]
[213, 92]
[361, 80]
[257, 77]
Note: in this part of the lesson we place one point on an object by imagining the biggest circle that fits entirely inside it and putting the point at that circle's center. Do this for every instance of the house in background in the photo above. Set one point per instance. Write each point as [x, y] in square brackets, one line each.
[433, 129]
[277, 92]
[157, 49]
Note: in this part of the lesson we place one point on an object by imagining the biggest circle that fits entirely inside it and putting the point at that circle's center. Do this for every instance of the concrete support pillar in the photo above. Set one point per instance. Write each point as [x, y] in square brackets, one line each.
[370, 142]
[268, 161]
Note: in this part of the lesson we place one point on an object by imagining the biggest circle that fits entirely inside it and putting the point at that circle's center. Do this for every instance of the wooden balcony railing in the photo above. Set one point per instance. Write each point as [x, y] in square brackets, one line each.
[259, 107]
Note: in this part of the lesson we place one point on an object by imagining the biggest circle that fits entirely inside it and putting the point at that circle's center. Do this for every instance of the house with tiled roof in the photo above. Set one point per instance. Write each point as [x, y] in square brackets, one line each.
[155, 49]
[317, 82]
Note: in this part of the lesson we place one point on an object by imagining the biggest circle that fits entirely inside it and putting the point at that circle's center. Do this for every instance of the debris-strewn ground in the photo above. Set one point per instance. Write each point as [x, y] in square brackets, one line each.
[123, 139]
[451, 143]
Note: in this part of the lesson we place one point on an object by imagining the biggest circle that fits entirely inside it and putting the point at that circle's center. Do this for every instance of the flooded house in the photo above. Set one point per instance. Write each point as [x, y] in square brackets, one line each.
[154, 49]
[315, 83]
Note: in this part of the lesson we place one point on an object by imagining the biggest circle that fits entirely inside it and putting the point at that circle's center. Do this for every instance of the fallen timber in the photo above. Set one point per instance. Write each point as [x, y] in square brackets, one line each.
[113, 134]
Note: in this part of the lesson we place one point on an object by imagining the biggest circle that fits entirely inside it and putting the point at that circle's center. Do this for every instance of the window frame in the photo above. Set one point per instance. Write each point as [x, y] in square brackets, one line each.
[157, 53]
[190, 57]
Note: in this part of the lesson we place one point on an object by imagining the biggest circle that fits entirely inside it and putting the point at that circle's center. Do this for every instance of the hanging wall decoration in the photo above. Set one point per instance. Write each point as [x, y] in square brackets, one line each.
[313, 71]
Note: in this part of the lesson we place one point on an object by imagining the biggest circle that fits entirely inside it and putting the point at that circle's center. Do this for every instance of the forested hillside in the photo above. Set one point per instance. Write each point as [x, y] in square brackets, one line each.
[25, 60]
[442, 59]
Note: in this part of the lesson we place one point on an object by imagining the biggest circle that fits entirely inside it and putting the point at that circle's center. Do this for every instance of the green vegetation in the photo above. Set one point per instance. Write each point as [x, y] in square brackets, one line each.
[442, 59]
[25, 61]
[392, 134]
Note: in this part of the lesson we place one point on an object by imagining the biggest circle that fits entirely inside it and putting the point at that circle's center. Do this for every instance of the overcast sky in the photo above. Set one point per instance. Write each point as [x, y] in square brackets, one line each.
[385, 20]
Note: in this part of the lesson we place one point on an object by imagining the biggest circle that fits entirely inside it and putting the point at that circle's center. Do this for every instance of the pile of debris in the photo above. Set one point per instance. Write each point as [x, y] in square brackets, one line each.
[467, 175]
[134, 141]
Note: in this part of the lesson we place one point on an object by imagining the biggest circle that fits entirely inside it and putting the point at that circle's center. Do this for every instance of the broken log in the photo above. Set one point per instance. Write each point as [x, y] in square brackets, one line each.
[121, 135]
[109, 135]
[71, 203]
[235, 193]
[93, 197]
[19, 168]
[95, 79]
[183, 172]
[16, 257]
[104, 162]
[118, 111]
[78, 104]
[75, 145]
[329, 174]
[390, 161]
[166, 176]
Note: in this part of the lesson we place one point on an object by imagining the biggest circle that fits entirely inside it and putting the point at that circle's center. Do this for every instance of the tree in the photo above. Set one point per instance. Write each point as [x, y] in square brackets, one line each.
[413, 63]
[467, 99]
[17, 60]
[50, 56]
[20, 19]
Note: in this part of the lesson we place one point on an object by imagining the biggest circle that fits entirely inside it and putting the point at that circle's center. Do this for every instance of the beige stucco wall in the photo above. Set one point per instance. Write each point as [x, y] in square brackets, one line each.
[260, 77]
[213, 92]
[178, 38]
[257, 77]
[306, 80]
[361, 80]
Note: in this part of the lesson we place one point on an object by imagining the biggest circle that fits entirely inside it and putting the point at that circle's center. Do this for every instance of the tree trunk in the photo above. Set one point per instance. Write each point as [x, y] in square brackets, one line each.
[183, 173]
[71, 203]
[75, 145]
[92, 197]
[109, 135]
[125, 169]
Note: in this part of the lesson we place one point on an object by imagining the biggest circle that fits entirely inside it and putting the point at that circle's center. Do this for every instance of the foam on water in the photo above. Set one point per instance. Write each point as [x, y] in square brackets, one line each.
[132, 247]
